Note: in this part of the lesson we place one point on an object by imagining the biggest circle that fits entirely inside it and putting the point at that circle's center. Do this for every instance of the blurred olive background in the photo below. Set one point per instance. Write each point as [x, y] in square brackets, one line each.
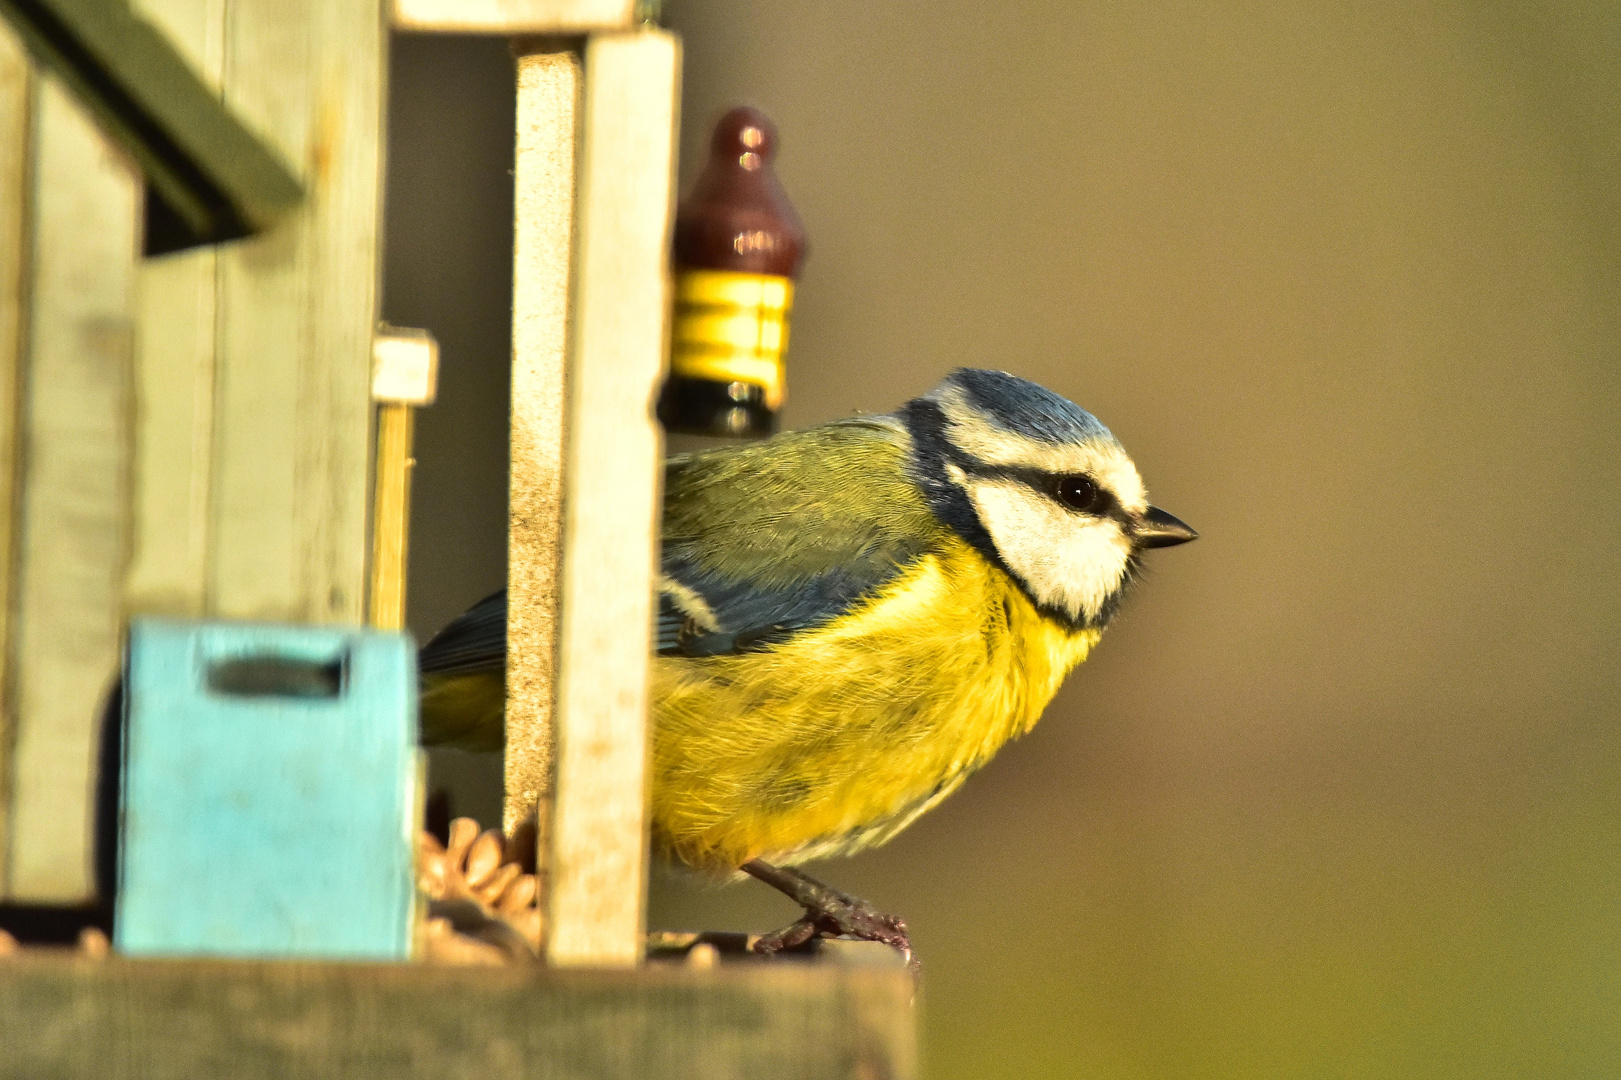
[1338, 796]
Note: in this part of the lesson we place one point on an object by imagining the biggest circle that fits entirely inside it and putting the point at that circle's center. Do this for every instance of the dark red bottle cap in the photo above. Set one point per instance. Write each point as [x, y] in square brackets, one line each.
[737, 217]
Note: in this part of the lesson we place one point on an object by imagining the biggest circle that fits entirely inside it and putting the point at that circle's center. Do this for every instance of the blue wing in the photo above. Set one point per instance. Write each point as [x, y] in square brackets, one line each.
[475, 640]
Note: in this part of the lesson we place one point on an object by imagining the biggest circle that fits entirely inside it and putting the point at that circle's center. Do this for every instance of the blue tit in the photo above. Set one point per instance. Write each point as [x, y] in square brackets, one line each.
[853, 618]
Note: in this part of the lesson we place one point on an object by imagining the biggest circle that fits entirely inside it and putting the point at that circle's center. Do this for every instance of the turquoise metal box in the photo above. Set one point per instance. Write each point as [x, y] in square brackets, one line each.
[268, 802]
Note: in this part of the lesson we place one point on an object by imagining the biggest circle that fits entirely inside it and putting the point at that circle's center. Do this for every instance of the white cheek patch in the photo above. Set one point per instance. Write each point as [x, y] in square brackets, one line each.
[1073, 562]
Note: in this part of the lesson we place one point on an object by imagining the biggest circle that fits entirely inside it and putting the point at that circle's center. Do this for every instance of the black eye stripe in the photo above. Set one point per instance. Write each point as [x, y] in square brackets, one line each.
[1042, 483]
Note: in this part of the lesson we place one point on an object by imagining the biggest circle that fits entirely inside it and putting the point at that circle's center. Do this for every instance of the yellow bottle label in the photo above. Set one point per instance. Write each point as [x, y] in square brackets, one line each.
[731, 327]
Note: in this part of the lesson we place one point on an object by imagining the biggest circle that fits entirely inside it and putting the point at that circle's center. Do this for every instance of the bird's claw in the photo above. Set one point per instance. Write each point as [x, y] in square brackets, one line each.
[843, 917]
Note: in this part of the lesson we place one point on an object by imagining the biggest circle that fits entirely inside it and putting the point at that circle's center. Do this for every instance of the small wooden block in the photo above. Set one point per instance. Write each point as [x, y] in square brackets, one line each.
[269, 792]
[405, 367]
[513, 16]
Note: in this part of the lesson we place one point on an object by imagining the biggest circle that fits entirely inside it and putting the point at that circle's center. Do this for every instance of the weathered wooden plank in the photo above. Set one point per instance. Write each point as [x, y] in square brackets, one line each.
[209, 177]
[16, 92]
[74, 507]
[154, 1020]
[611, 507]
[514, 16]
[296, 317]
[174, 377]
[543, 230]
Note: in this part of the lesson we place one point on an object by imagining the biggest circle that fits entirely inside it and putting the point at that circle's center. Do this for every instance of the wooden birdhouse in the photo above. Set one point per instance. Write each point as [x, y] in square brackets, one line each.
[205, 433]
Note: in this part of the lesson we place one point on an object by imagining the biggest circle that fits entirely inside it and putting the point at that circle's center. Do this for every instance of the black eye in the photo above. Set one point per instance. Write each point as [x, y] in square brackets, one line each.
[1077, 492]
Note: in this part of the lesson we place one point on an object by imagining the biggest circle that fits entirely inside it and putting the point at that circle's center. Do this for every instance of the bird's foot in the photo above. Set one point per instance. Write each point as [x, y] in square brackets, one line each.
[829, 913]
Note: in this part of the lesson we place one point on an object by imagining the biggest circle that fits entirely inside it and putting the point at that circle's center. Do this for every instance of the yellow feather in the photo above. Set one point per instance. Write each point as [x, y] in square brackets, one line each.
[837, 739]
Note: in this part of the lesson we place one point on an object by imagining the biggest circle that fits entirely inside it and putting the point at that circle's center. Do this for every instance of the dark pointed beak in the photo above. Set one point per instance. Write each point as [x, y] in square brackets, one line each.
[1159, 529]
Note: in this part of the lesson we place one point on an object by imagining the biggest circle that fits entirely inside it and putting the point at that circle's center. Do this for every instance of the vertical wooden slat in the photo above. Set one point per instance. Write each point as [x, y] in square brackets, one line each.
[254, 364]
[16, 91]
[74, 519]
[174, 377]
[548, 126]
[296, 316]
[391, 514]
[611, 510]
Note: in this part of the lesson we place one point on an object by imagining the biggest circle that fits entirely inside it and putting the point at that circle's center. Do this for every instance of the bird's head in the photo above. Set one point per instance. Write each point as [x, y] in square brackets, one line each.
[1040, 487]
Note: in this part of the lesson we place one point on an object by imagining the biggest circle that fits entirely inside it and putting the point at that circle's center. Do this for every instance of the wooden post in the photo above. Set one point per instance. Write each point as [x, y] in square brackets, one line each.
[611, 504]
[74, 505]
[543, 232]
[16, 94]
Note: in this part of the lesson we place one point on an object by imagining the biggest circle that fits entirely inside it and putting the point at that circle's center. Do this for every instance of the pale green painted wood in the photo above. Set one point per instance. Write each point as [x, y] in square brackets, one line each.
[176, 311]
[296, 315]
[74, 506]
[210, 178]
[16, 92]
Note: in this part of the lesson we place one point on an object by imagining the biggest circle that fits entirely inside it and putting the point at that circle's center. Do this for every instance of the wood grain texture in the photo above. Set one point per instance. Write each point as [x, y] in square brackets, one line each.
[154, 1020]
[295, 321]
[74, 507]
[611, 510]
[254, 441]
[176, 313]
[543, 231]
[16, 92]
[513, 16]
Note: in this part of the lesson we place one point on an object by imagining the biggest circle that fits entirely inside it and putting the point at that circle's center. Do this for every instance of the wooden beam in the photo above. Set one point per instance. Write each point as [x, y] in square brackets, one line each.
[74, 519]
[16, 94]
[611, 504]
[170, 1020]
[543, 231]
[513, 17]
[210, 178]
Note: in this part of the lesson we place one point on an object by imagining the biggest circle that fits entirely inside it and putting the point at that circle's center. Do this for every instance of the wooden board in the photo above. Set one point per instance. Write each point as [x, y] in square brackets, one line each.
[254, 444]
[296, 319]
[174, 376]
[122, 1019]
[74, 505]
[16, 92]
[543, 231]
[612, 490]
[513, 16]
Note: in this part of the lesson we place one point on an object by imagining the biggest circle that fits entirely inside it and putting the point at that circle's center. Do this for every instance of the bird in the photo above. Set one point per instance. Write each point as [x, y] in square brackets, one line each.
[852, 619]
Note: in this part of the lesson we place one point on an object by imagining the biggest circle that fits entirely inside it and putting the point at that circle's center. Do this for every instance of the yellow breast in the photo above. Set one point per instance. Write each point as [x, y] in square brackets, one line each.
[839, 738]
